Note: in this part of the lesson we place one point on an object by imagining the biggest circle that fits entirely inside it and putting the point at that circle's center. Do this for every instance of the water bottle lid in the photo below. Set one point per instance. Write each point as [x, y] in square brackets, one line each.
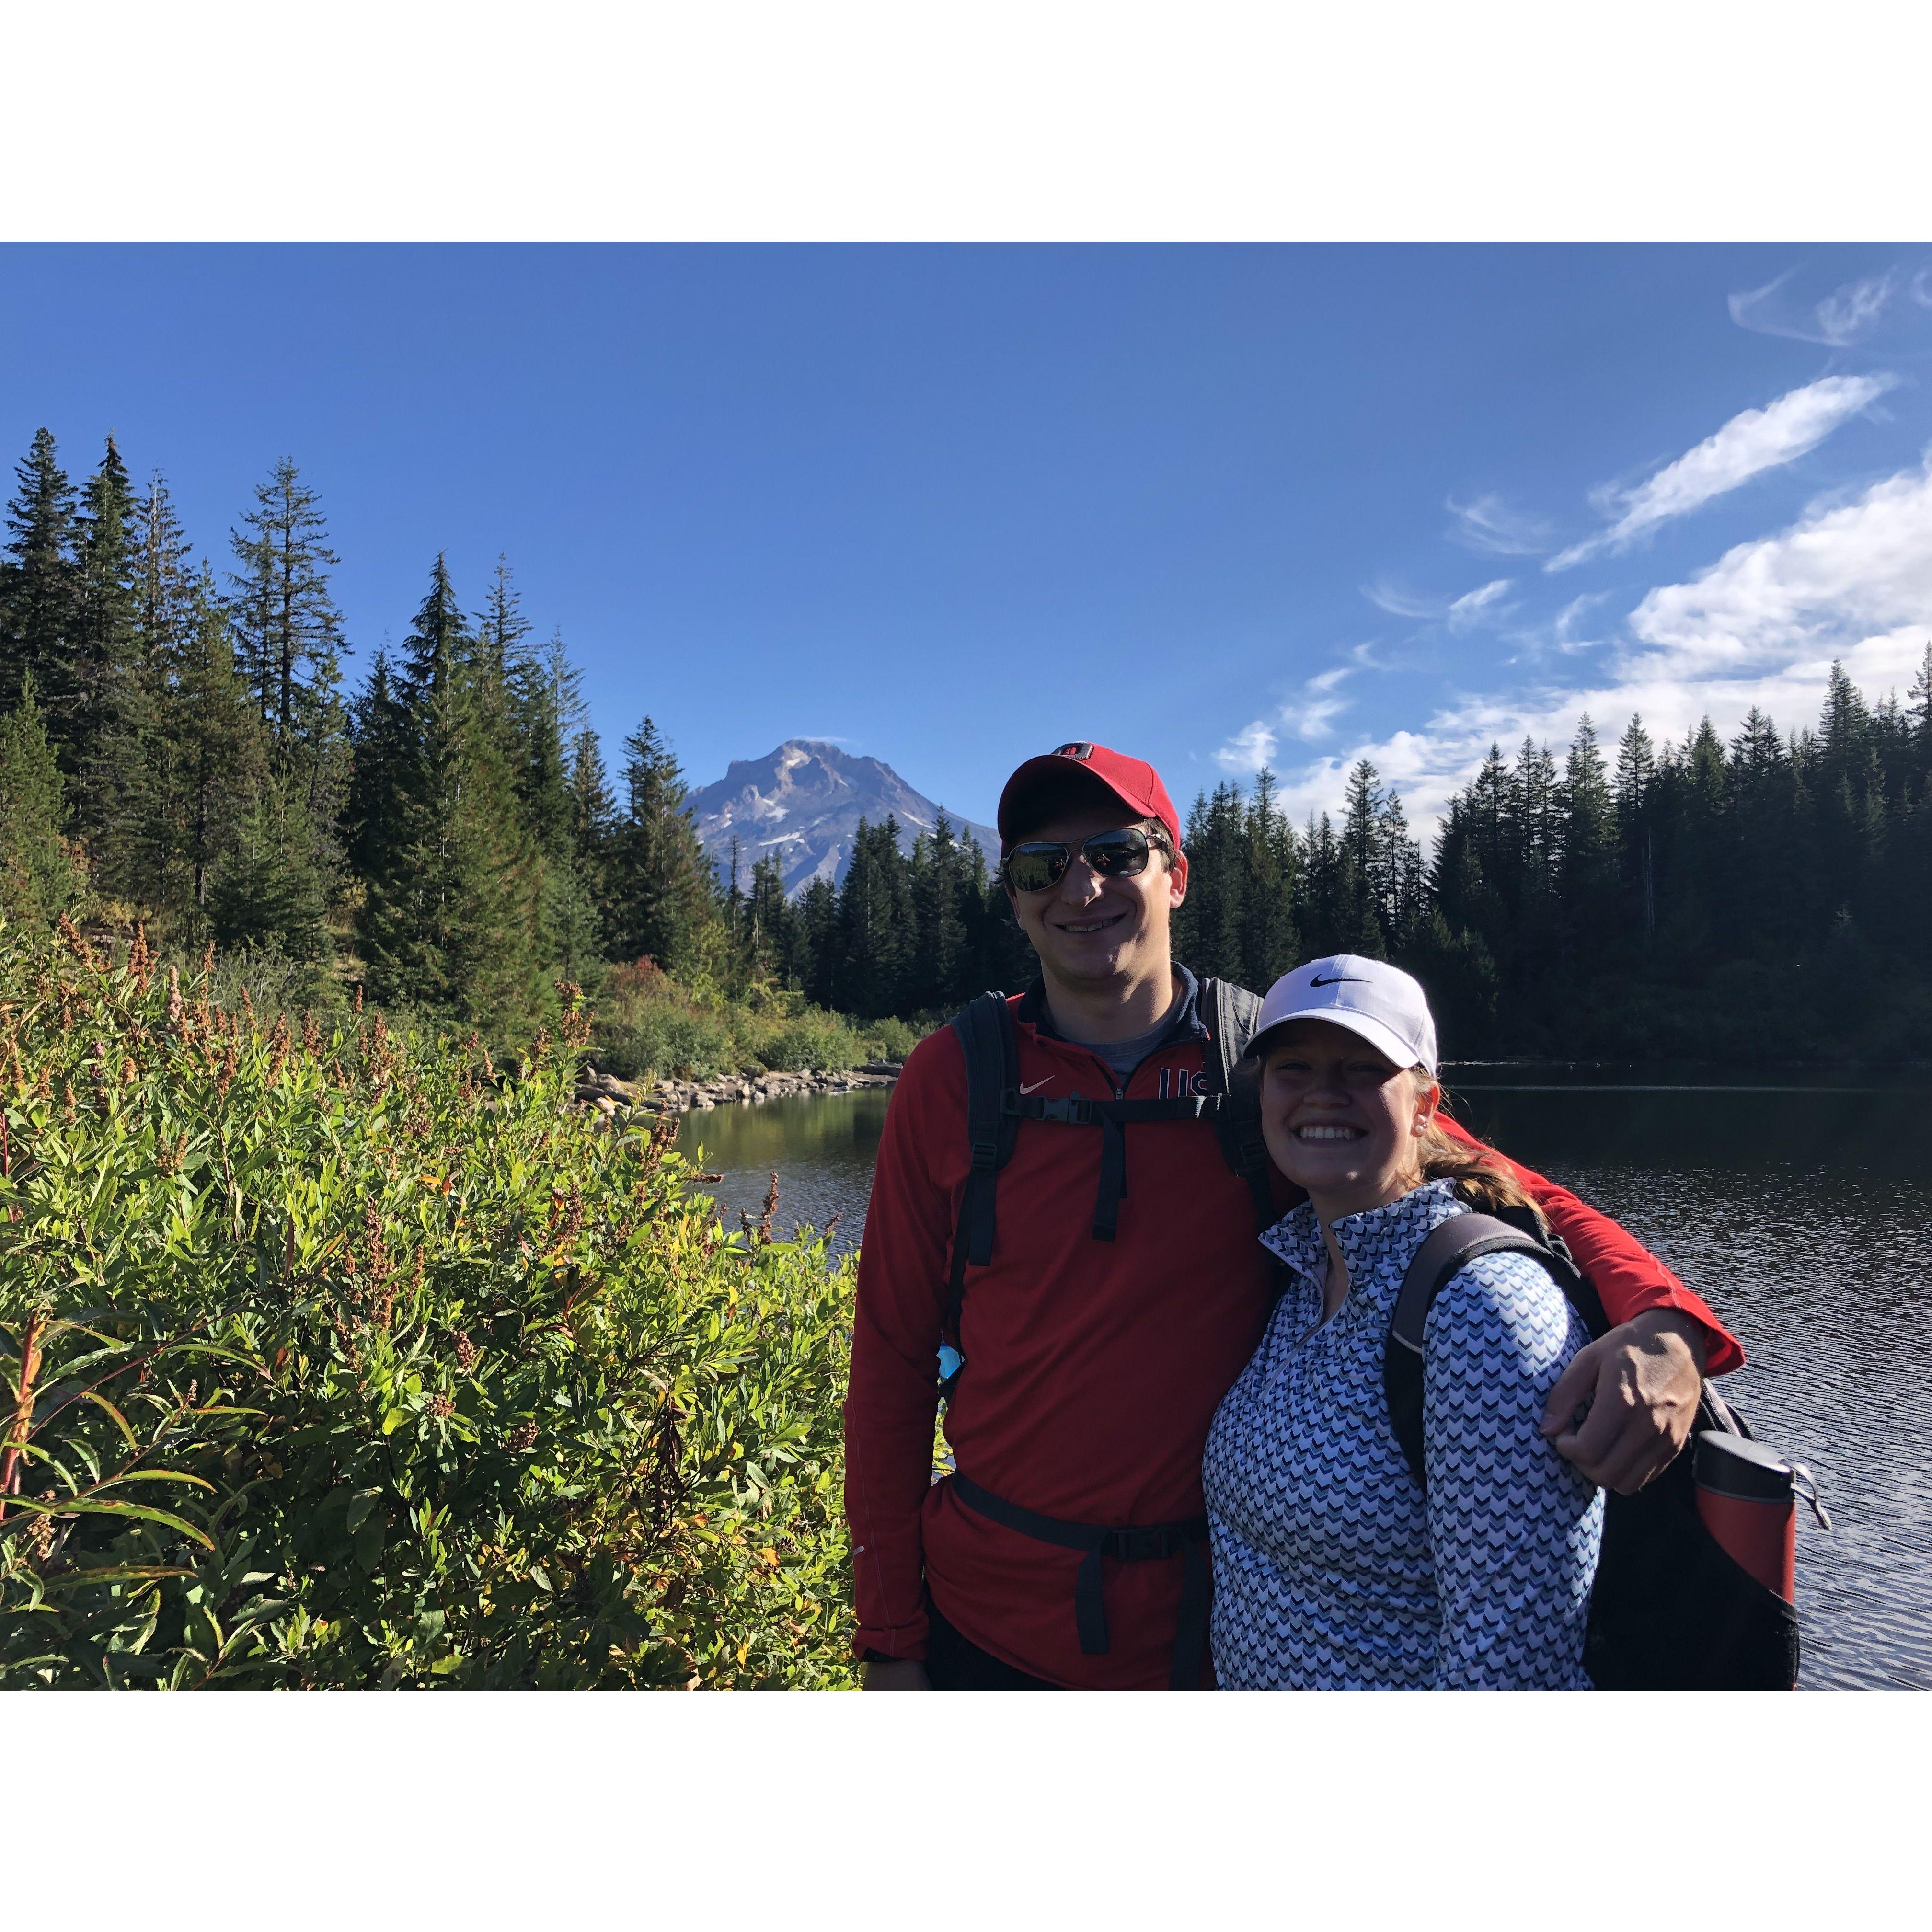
[1734, 1465]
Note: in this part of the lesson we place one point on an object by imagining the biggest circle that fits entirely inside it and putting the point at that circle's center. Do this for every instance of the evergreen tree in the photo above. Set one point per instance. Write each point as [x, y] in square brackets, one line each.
[812, 963]
[208, 762]
[37, 588]
[288, 632]
[1635, 784]
[661, 885]
[1586, 882]
[448, 924]
[40, 874]
[108, 718]
[169, 609]
[874, 925]
[1269, 941]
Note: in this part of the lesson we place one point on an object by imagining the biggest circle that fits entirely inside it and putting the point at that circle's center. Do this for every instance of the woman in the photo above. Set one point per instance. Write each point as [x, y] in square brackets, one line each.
[1331, 1568]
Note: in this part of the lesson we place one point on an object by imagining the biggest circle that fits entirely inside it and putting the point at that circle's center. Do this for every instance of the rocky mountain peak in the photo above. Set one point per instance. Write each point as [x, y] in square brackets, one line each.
[803, 802]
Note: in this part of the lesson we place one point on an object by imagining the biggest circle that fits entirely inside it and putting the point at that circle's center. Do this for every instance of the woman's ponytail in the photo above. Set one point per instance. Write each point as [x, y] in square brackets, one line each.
[1481, 1180]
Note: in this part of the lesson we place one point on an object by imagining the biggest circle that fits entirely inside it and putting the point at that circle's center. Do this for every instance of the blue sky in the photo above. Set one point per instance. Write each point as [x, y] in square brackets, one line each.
[950, 505]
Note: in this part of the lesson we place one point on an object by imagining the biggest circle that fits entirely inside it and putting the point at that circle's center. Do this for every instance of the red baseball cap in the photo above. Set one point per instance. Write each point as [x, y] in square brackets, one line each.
[1133, 781]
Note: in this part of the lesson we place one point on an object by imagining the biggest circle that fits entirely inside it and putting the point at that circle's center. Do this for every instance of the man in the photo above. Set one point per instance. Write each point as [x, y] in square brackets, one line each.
[1124, 1291]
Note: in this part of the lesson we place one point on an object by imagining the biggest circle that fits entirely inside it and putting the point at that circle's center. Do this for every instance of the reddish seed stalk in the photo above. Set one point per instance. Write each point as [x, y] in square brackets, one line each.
[23, 1411]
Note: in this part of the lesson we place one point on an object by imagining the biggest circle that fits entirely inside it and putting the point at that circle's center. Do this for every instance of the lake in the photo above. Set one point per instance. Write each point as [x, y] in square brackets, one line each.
[1799, 1205]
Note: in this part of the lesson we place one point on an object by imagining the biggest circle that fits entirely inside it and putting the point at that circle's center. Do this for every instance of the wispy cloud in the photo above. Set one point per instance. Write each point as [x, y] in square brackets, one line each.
[1486, 523]
[1400, 603]
[1468, 610]
[1847, 315]
[1460, 613]
[1751, 443]
[1306, 716]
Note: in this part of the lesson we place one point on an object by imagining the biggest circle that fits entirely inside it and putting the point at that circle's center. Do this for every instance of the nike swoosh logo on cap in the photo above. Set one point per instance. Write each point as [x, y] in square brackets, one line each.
[1037, 1084]
[1340, 979]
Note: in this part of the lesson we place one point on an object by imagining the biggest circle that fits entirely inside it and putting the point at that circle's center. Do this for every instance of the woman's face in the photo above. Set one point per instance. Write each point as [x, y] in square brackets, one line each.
[1341, 1121]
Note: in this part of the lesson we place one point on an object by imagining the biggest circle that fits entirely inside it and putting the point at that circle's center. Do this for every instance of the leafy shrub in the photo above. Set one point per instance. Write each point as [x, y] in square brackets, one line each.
[893, 1039]
[337, 1359]
[648, 1024]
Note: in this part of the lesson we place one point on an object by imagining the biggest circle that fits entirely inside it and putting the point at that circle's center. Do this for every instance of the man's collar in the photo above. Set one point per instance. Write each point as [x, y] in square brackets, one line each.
[1186, 1023]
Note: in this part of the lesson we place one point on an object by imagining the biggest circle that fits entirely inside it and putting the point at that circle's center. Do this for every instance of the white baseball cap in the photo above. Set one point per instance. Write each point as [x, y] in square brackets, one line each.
[1378, 1002]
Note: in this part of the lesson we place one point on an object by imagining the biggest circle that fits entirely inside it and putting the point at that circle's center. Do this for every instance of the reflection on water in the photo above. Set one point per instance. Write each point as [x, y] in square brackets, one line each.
[822, 1147]
[1800, 1208]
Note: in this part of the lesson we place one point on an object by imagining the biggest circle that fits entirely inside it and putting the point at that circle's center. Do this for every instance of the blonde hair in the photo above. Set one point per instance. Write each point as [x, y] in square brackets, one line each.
[1481, 1180]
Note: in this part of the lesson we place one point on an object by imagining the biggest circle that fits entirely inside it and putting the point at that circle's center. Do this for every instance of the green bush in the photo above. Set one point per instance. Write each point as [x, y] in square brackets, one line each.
[649, 1024]
[338, 1359]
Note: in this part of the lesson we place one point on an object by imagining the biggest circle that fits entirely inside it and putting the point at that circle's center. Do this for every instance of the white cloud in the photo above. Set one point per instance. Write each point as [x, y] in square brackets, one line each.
[1305, 716]
[1400, 603]
[1751, 443]
[1459, 613]
[1252, 747]
[1850, 313]
[1467, 611]
[1851, 580]
[1486, 523]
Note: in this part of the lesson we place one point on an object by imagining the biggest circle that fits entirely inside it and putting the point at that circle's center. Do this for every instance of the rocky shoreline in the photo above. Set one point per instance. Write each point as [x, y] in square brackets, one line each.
[604, 1093]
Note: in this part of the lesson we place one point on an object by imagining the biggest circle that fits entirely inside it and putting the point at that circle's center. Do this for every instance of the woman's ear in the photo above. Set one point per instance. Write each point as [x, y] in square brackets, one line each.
[1427, 1099]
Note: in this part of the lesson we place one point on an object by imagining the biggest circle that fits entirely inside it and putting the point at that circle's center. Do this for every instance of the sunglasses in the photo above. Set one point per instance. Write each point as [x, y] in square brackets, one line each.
[1037, 865]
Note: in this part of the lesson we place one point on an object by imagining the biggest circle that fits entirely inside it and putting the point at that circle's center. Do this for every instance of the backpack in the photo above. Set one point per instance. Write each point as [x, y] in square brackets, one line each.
[1670, 1610]
[995, 1107]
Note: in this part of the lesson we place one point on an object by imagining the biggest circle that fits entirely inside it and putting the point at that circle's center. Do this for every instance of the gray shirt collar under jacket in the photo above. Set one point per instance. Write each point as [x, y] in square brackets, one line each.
[1182, 1021]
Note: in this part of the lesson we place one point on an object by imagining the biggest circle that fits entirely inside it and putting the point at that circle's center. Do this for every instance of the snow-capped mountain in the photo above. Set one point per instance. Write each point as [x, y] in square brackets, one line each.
[804, 802]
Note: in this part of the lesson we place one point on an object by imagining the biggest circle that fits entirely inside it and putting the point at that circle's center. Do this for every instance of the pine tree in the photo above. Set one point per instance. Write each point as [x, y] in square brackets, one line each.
[941, 893]
[1269, 942]
[109, 717]
[1586, 881]
[447, 923]
[1635, 784]
[874, 925]
[40, 874]
[37, 588]
[208, 762]
[168, 609]
[660, 880]
[288, 632]
[813, 962]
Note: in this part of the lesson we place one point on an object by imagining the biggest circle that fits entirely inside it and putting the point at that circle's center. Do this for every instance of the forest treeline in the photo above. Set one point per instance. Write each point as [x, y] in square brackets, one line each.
[1766, 898]
[179, 745]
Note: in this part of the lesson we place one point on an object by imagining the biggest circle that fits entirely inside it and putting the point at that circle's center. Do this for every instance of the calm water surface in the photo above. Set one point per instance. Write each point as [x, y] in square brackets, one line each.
[1798, 1205]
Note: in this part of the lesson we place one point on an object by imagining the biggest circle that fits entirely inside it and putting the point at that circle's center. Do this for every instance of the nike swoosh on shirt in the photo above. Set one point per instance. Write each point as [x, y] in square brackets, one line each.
[1037, 1084]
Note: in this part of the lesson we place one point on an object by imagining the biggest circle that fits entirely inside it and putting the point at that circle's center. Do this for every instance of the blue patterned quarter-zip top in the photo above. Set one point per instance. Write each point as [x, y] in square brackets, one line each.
[1330, 1569]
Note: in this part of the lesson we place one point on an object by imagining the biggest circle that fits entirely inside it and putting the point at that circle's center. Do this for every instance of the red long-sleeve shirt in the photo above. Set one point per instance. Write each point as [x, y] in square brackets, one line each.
[1093, 1367]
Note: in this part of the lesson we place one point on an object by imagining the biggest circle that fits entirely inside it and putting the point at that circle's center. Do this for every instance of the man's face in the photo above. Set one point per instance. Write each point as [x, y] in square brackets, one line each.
[1090, 930]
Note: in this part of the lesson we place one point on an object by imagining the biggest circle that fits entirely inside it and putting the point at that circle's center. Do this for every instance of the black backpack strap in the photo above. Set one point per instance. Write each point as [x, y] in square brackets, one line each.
[985, 1030]
[1447, 1251]
[1231, 1012]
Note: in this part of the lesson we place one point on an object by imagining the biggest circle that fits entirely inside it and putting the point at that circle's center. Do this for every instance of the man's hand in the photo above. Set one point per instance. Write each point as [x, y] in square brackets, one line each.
[896, 1673]
[1640, 1384]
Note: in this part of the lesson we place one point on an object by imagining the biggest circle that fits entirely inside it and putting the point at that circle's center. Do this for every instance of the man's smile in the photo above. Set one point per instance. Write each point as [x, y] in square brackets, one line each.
[1089, 925]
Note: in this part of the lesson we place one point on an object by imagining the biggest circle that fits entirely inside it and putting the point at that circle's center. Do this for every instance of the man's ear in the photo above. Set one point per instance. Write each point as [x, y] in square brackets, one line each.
[1177, 880]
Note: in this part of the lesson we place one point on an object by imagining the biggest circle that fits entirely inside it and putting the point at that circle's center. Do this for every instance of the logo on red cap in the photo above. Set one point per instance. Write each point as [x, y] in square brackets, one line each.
[1073, 750]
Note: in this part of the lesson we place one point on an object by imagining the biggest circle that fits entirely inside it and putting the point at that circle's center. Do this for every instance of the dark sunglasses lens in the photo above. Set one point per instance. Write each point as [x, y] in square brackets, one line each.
[1117, 855]
[1032, 869]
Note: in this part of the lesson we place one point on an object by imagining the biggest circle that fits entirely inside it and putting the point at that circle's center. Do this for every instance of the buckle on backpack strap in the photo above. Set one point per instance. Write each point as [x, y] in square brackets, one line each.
[1071, 1110]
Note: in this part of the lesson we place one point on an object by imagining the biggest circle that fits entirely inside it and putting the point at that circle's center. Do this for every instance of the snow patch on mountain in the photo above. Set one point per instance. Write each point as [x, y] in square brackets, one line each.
[802, 803]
